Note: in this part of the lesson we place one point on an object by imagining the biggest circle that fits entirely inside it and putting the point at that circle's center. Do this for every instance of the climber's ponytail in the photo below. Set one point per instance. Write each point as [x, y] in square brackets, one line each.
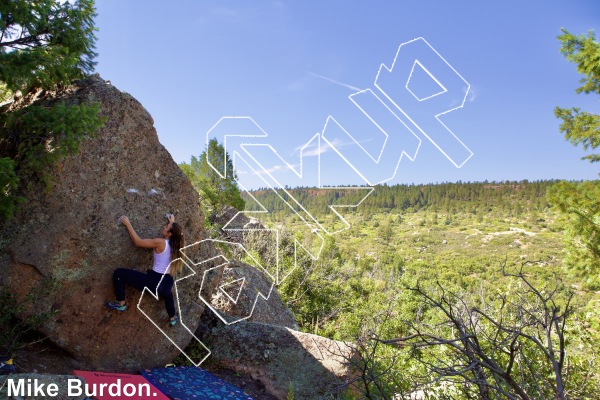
[176, 242]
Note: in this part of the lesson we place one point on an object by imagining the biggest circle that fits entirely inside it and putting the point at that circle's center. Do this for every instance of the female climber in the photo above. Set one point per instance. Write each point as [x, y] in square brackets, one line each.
[160, 278]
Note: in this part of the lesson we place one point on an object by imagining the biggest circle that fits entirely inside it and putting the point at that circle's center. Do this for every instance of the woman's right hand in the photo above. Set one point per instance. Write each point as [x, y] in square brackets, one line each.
[124, 220]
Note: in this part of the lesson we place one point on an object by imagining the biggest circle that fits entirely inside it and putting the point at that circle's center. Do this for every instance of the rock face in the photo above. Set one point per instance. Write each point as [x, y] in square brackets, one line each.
[272, 311]
[70, 236]
[226, 218]
[315, 366]
[232, 222]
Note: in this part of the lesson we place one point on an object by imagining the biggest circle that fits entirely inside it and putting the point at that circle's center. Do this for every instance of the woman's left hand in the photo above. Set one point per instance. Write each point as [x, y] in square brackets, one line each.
[171, 218]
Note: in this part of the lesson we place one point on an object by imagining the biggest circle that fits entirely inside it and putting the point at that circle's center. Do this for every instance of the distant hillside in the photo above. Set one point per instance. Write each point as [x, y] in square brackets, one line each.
[444, 197]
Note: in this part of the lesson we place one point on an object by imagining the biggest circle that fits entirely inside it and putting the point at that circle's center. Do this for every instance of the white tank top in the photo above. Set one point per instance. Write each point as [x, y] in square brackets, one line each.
[162, 260]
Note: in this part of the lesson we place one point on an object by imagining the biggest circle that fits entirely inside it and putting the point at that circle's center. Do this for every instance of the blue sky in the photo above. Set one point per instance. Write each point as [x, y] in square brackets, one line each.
[290, 65]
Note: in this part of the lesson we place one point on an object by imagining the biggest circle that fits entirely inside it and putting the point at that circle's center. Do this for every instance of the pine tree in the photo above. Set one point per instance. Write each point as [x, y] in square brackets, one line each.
[44, 43]
[578, 203]
[44, 46]
[214, 190]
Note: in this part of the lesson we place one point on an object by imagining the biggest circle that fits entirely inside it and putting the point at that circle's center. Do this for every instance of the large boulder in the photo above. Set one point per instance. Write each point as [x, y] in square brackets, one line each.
[278, 357]
[68, 240]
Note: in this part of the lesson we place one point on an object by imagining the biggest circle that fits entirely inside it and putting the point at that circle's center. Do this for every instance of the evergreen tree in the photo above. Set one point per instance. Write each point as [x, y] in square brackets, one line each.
[386, 231]
[215, 190]
[45, 43]
[578, 202]
[44, 46]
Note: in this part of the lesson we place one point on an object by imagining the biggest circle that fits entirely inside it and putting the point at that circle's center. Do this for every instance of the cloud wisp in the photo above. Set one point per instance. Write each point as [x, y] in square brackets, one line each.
[335, 81]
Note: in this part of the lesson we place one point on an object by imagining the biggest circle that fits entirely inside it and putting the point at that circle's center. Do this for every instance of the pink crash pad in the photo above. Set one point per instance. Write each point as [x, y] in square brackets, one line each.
[113, 386]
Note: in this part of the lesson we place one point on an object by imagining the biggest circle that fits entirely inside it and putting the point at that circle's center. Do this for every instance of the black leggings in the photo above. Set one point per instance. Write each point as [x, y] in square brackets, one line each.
[139, 280]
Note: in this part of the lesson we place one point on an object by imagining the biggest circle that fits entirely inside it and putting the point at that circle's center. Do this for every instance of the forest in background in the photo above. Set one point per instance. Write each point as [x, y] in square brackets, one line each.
[443, 197]
[460, 232]
[469, 241]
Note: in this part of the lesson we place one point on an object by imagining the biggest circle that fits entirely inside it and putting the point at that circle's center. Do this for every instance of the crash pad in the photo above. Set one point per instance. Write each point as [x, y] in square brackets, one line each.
[124, 386]
[183, 383]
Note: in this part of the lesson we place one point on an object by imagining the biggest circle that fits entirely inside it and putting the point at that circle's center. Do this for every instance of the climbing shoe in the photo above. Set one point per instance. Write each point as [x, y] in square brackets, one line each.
[115, 305]
[174, 321]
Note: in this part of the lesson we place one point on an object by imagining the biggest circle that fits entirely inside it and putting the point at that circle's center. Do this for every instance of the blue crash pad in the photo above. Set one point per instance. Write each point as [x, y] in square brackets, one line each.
[183, 383]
